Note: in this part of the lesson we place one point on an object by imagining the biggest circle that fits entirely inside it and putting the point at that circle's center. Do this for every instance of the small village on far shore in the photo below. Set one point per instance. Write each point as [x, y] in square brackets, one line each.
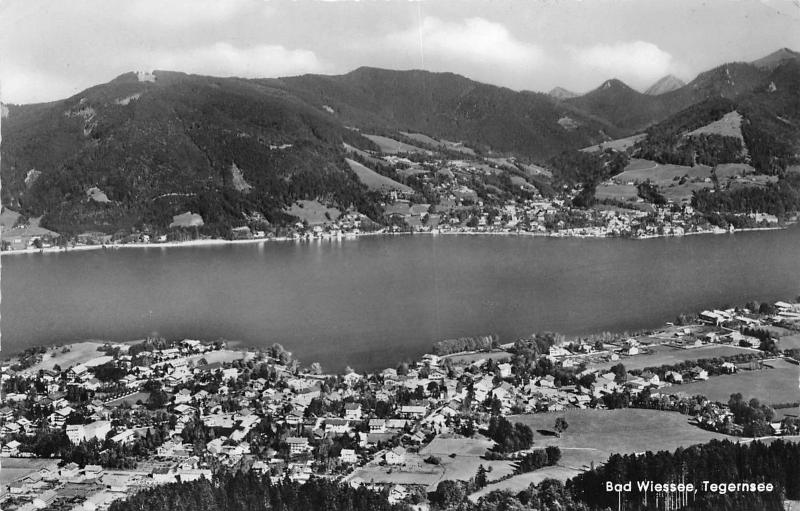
[450, 195]
[85, 424]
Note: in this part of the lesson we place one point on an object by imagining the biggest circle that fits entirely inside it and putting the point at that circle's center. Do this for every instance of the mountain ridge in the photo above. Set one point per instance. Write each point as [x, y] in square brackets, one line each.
[235, 148]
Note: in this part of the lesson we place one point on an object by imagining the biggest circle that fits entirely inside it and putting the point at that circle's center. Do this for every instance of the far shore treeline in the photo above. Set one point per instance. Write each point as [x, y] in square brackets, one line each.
[481, 342]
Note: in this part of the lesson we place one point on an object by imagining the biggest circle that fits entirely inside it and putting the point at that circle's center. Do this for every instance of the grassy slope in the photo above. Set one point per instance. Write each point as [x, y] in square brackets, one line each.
[375, 181]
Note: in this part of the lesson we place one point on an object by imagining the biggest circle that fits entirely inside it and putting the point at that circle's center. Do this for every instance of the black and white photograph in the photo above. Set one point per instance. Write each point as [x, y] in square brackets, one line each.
[399, 255]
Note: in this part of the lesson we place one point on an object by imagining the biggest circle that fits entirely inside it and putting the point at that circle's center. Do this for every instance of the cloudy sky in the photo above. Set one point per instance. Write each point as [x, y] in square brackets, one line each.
[53, 49]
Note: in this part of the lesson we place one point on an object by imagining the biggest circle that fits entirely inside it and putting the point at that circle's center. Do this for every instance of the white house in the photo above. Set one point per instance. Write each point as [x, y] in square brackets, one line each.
[352, 411]
[348, 456]
[396, 456]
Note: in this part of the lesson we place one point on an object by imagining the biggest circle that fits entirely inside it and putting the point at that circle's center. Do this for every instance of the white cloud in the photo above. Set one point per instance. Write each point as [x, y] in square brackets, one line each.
[224, 59]
[184, 13]
[21, 85]
[636, 61]
[473, 40]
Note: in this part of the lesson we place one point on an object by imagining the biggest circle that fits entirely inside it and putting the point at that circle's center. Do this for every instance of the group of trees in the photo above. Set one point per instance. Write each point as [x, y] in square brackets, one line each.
[753, 416]
[56, 444]
[539, 458]
[650, 193]
[718, 461]
[251, 492]
[478, 343]
[780, 199]
[509, 438]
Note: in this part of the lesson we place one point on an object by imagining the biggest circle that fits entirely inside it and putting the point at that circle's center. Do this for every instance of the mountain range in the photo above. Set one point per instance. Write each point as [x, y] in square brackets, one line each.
[158, 144]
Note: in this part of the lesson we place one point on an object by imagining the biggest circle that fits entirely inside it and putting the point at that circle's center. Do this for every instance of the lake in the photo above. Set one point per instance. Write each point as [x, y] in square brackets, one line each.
[376, 300]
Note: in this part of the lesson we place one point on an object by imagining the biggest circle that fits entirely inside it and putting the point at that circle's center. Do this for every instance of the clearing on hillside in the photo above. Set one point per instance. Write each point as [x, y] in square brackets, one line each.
[375, 181]
[313, 212]
[659, 174]
[391, 146]
[620, 144]
[729, 126]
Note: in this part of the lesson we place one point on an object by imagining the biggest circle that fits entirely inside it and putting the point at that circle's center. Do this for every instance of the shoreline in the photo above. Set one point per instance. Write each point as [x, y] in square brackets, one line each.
[224, 242]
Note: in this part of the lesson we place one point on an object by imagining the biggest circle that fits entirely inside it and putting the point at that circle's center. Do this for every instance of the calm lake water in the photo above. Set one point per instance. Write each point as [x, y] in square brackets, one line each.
[374, 301]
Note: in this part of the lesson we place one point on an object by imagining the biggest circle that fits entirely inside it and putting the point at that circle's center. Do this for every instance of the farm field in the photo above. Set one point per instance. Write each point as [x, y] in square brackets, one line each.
[313, 212]
[391, 146]
[665, 355]
[770, 386]
[375, 181]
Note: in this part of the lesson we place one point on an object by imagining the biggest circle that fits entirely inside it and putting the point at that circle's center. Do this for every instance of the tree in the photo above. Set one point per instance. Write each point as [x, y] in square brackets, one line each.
[480, 478]
[316, 368]
[448, 493]
[561, 425]
[620, 373]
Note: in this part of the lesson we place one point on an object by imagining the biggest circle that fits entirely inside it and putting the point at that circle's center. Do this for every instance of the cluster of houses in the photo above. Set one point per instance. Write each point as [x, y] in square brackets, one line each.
[430, 398]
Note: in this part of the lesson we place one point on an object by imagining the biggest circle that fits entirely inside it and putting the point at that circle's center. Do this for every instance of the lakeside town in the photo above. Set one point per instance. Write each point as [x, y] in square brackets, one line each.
[430, 193]
[86, 424]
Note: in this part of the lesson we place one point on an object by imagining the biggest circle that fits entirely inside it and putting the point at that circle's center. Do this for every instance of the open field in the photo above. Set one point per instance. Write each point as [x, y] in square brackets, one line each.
[789, 342]
[411, 171]
[32, 228]
[391, 146]
[660, 174]
[780, 413]
[605, 432]
[8, 218]
[678, 193]
[76, 353]
[446, 144]
[364, 154]
[570, 465]
[313, 212]
[223, 356]
[666, 355]
[462, 466]
[729, 126]
[458, 146]
[422, 138]
[620, 192]
[777, 385]
[593, 435]
[729, 170]
[619, 144]
[375, 181]
[131, 400]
